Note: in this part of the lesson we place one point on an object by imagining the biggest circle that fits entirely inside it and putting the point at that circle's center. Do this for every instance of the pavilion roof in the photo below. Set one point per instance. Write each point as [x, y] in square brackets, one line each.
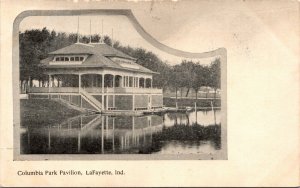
[99, 55]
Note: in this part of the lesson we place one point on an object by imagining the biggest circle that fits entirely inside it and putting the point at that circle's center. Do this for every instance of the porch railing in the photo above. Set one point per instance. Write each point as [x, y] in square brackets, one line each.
[38, 90]
[64, 89]
[117, 90]
[137, 90]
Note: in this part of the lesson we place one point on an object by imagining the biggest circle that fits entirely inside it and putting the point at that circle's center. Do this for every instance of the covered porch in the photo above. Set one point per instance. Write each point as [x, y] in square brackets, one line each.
[95, 84]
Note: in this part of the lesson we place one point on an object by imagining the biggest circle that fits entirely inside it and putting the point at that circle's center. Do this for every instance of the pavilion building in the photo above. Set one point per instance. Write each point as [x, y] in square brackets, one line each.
[98, 77]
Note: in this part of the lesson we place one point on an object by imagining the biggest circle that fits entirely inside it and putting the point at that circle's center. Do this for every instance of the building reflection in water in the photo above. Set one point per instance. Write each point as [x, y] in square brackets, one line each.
[98, 134]
[92, 134]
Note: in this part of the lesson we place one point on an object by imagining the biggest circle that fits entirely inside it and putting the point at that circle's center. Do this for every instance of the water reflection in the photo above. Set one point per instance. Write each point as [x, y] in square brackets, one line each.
[171, 133]
[204, 118]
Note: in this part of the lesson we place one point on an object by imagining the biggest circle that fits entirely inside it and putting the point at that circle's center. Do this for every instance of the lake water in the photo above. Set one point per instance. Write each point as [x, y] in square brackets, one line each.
[171, 133]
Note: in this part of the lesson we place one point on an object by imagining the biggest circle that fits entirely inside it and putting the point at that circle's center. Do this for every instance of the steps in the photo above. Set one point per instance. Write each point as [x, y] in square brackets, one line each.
[90, 99]
[71, 106]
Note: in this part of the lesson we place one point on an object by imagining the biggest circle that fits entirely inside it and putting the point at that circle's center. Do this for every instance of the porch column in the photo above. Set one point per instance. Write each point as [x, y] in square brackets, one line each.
[114, 86]
[103, 75]
[49, 83]
[114, 100]
[145, 82]
[96, 81]
[79, 84]
[151, 82]
[138, 82]
[114, 82]
[107, 102]
[133, 102]
[128, 81]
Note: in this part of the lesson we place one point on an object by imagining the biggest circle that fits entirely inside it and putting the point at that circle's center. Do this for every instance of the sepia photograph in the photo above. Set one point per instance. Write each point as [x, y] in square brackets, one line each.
[93, 85]
[155, 93]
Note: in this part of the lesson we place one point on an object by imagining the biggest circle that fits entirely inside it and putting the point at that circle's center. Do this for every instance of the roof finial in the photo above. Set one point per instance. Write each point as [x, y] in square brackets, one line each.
[102, 36]
[78, 30]
[112, 37]
[101, 40]
[90, 31]
[102, 27]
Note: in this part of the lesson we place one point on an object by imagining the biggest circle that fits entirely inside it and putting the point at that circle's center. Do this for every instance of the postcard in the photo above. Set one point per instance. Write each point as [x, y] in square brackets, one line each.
[149, 93]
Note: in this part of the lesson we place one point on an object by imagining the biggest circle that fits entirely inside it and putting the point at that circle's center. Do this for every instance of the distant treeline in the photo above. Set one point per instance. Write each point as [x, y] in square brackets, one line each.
[35, 45]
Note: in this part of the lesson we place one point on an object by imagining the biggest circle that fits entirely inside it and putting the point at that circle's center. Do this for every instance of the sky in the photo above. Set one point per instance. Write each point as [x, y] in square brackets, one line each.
[118, 27]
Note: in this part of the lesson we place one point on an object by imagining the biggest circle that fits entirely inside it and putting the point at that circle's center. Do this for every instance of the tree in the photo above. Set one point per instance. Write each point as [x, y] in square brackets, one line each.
[34, 46]
[188, 75]
[175, 80]
[199, 77]
[215, 75]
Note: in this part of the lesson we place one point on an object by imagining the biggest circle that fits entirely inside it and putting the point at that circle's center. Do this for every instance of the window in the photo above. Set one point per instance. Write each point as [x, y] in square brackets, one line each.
[136, 82]
[67, 58]
[130, 81]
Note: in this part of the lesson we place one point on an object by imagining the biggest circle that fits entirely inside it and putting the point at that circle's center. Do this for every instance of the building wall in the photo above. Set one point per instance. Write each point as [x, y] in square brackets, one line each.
[157, 100]
[141, 101]
[123, 102]
[110, 101]
[54, 96]
[75, 99]
[65, 97]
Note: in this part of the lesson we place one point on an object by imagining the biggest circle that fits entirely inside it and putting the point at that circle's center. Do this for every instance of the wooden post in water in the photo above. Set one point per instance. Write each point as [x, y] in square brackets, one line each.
[176, 98]
[106, 127]
[212, 107]
[113, 134]
[79, 139]
[28, 138]
[122, 143]
[49, 138]
[196, 106]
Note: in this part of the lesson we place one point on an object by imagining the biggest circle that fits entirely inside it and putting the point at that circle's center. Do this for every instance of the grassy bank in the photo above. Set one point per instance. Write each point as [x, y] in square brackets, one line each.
[188, 134]
[170, 102]
[43, 112]
[194, 132]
